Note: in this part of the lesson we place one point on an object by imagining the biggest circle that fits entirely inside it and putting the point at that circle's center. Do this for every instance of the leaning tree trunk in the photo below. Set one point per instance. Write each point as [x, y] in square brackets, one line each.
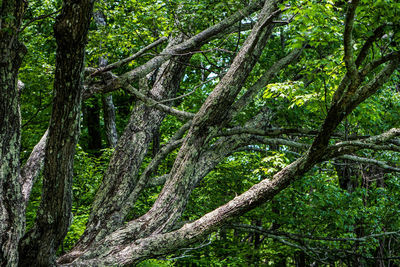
[172, 200]
[145, 237]
[39, 246]
[109, 211]
[12, 220]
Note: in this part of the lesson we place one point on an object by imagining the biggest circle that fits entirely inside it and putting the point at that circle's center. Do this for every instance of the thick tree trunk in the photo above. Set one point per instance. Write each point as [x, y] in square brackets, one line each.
[173, 198]
[111, 206]
[11, 202]
[145, 237]
[39, 246]
[12, 205]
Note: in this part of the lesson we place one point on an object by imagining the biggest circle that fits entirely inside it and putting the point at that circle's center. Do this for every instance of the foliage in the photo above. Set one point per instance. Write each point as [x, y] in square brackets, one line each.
[301, 220]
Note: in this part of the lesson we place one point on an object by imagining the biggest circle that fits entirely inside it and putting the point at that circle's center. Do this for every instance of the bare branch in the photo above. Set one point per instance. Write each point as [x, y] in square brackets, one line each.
[128, 59]
[184, 47]
[38, 18]
[268, 132]
[371, 87]
[183, 115]
[376, 63]
[368, 43]
[365, 238]
[373, 142]
[348, 41]
[300, 238]
[33, 167]
[280, 141]
[362, 145]
[191, 92]
[379, 163]
[344, 103]
[263, 81]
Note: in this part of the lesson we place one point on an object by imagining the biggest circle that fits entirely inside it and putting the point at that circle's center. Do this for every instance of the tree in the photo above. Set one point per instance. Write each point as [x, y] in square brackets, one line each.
[230, 118]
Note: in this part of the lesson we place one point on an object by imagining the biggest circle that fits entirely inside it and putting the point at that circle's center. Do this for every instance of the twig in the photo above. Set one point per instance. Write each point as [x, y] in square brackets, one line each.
[191, 92]
[36, 19]
[128, 59]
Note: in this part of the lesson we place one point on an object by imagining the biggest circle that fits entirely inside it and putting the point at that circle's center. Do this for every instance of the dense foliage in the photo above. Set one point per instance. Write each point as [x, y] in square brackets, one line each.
[342, 212]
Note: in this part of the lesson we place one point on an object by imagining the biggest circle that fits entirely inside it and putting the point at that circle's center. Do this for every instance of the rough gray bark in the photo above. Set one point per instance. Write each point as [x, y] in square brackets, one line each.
[32, 167]
[160, 244]
[148, 235]
[172, 199]
[11, 201]
[179, 49]
[38, 247]
[122, 174]
[206, 143]
[216, 31]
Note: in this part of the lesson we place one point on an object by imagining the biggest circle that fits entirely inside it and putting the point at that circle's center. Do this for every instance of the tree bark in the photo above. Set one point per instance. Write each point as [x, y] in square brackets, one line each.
[109, 121]
[149, 236]
[12, 208]
[111, 206]
[38, 247]
[33, 167]
[172, 200]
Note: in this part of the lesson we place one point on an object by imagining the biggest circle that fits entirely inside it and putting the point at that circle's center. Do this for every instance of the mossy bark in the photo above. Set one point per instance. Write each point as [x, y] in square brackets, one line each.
[12, 222]
[110, 206]
[38, 246]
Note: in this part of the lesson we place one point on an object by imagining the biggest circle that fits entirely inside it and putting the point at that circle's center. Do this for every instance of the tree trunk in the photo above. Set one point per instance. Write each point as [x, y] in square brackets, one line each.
[109, 121]
[108, 105]
[39, 246]
[111, 206]
[12, 204]
[172, 200]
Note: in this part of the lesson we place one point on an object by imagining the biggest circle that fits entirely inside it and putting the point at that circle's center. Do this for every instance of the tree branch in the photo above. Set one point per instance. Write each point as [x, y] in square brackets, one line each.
[33, 166]
[371, 87]
[370, 143]
[378, 33]
[376, 63]
[186, 46]
[128, 59]
[183, 115]
[379, 163]
[38, 18]
[268, 132]
[348, 41]
[263, 81]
